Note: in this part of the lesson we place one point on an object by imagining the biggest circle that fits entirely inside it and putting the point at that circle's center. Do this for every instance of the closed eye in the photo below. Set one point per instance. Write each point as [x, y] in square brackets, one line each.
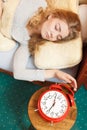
[57, 27]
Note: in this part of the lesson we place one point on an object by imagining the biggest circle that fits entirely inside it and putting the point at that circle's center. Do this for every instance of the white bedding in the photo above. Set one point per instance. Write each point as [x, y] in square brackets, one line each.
[6, 59]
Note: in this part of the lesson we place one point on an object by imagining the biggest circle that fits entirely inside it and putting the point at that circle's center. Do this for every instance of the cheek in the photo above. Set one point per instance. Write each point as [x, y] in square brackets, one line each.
[65, 29]
[49, 25]
[44, 27]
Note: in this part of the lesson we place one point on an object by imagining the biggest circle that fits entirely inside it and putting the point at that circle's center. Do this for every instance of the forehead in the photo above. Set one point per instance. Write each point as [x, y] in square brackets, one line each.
[61, 21]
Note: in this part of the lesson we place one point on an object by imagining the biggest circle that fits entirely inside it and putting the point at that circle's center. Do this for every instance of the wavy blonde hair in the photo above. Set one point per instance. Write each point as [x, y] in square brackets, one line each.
[42, 15]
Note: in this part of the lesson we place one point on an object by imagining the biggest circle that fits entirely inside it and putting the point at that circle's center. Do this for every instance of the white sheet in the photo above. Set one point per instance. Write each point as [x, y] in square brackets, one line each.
[6, 59]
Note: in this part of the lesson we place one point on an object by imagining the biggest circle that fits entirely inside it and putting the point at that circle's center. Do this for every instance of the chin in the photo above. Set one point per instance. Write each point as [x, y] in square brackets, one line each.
[43, 37]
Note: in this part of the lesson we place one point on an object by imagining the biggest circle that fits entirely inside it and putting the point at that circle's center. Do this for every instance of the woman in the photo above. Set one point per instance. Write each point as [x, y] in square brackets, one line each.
[22, 55]
[54, 32]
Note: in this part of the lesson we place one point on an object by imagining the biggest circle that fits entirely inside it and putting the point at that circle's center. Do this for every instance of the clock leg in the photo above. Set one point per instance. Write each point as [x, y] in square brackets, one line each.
[31, 127]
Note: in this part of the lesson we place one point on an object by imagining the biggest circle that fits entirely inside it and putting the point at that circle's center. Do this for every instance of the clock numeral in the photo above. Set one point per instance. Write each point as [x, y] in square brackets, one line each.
[50, 96]
[62, 101]
[45, 98]
[57, 114]
[52, 114]
[44, 103]
[59, 97]
[55, 94]
[61, 111]
[47, 112]
[45, 107]
[63, 106]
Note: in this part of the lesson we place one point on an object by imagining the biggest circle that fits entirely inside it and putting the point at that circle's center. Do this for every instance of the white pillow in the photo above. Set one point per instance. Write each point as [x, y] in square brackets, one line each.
[51, 55]
[6, 42]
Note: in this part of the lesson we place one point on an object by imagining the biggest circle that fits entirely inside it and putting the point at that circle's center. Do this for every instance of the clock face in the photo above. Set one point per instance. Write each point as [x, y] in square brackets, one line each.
[53, 104]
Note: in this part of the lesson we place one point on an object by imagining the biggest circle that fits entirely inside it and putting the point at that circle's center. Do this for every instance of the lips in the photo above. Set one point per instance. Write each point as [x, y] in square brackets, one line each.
[47, 35]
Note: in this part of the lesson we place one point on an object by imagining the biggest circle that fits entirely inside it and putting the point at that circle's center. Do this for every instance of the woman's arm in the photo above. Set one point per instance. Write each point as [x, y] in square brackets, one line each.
[62, 76]
[21, 71]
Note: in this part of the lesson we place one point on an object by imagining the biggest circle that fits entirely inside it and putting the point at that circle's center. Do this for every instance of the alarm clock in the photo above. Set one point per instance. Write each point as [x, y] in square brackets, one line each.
[54, 103]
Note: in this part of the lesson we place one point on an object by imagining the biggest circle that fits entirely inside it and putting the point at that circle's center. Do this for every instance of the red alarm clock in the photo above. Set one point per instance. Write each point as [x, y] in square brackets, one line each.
[54, 103]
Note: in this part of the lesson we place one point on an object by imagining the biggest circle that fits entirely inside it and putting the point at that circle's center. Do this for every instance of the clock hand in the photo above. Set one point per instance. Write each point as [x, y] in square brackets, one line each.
[52, 105]
[55, 96]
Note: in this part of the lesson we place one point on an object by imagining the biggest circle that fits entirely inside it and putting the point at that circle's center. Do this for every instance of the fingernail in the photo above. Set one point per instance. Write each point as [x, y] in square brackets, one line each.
[75, 89]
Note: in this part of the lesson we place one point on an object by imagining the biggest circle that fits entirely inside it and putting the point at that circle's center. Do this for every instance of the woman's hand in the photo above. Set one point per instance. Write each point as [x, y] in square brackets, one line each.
[62, 76]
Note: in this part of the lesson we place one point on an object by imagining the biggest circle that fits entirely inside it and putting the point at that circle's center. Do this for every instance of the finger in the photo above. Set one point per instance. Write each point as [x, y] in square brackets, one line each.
[72, 81]
[74, 85]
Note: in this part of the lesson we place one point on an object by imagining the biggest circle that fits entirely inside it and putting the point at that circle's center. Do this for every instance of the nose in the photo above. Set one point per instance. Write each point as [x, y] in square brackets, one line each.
[54, 34]
[51, 34]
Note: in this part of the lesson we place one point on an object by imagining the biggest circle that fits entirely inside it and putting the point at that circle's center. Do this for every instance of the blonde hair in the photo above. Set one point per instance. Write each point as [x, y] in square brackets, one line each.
[42, 15]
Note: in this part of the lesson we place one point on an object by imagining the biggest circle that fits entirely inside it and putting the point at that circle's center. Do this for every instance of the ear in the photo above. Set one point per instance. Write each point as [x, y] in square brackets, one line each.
[50, 16]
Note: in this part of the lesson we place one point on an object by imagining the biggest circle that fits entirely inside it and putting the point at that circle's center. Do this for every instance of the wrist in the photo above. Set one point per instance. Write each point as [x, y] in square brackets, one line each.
[50, 74]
